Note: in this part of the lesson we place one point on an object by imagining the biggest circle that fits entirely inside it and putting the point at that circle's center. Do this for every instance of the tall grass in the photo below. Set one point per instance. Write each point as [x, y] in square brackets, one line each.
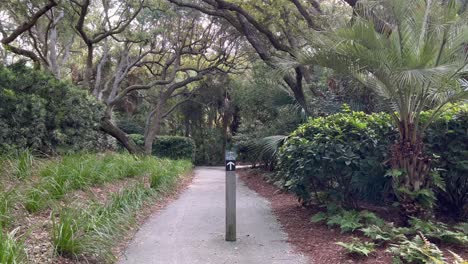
[19, 164]
[7, 202]
[80, 171]
[169, 171]
[90, 234]
[11, 248]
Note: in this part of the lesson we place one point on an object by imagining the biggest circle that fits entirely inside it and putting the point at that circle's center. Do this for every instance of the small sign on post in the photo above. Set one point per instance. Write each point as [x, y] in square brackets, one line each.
[230, 196]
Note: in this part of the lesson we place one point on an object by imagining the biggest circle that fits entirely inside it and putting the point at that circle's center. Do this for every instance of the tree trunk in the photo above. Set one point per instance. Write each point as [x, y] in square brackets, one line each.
[53, 65]
[89, 67]
[409, 158]
[110, 128]
[153, 126]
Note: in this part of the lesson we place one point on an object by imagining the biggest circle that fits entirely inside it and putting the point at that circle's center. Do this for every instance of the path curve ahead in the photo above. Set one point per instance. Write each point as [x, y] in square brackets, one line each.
[191, 229]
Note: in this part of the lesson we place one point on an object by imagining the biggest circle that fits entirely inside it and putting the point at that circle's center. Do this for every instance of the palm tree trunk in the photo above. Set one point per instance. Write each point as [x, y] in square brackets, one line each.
[408, 157]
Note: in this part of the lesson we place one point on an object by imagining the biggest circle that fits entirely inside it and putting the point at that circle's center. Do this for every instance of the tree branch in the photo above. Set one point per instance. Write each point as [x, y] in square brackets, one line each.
[28, 24]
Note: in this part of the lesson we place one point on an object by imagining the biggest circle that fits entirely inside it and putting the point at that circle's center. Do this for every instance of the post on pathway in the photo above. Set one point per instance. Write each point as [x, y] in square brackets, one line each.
[230, 196]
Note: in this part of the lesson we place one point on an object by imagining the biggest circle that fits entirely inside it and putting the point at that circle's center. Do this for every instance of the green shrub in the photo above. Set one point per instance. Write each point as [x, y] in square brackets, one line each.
[129, 126]
[173, 147]
[343, 158]
[46, 115]
[385, 233]
[138, 138]
[21, 164]
[341, 155]
[36, 199]
[447, 140]
[11, 248]
[68, 233]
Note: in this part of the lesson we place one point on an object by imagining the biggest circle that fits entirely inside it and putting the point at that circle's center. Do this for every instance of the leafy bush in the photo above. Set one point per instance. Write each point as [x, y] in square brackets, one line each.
[341, 155]
[129, 126]
[173, 147]
[357, 247]
[447, 140]
[209, 146]
[11, 248]
[43, 114]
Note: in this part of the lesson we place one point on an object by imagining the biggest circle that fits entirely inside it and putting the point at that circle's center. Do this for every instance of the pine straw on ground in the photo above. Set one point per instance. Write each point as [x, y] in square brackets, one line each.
[315, 240]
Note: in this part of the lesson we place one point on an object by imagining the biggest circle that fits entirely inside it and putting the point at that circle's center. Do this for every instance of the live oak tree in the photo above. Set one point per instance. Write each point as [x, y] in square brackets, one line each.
[274, 29]
[18, 18]
[140, 48]
[157, 54]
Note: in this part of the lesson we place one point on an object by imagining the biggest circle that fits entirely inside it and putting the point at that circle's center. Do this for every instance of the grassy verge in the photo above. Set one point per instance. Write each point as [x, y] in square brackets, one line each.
[81, 171]
[11, 248]
[90, 234]
[89, 229]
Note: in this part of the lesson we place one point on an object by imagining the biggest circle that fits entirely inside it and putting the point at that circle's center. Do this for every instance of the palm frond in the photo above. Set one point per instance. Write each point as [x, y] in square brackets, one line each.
[266, 148]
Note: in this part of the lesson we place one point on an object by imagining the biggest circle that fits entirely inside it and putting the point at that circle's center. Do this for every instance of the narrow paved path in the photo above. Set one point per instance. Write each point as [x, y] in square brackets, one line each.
[191, 229]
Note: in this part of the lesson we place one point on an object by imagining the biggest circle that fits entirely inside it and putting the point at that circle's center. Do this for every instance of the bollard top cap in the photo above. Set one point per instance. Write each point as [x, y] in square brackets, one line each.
[230, 155]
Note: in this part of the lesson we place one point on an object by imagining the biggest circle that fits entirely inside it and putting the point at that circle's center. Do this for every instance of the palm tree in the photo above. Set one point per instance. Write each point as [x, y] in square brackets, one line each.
[413, 54]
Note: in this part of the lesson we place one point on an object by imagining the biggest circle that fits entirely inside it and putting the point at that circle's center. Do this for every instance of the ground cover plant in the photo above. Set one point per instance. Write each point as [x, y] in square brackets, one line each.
[78, 171]
[85, 229]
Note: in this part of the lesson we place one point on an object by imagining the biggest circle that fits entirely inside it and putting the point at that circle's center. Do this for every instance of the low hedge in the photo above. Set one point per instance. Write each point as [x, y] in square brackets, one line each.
[172, 147]
[342, 157]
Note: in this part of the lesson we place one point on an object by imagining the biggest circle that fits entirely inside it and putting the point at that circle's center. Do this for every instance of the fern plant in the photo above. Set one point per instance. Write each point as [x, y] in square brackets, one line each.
[347, 221]
[385, 233]
[418, 251]
[439, 231]
[356, 247]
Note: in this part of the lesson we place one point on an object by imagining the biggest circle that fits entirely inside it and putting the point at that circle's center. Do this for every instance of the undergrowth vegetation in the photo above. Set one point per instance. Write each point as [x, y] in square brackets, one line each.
[80, 171]
[344, 157]
[412, 244]
[88, 229]
[91, 232]
[11, 248]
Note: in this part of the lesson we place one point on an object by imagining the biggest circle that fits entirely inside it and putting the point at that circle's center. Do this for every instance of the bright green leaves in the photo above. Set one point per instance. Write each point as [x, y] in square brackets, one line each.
[342, 154]
[347, 221]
